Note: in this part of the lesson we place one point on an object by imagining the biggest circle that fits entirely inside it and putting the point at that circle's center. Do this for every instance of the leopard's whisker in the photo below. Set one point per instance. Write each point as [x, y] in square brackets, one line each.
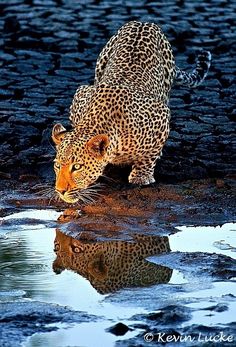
[53, 197]
[48, 193]
[42, 185]
[45, 192]
[86, 196]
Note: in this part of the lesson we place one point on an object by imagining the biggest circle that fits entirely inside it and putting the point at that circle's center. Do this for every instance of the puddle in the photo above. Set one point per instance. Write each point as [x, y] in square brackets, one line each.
[219, 239]
[85, 334]
[208, 298]
[41, 215]
[40, 263]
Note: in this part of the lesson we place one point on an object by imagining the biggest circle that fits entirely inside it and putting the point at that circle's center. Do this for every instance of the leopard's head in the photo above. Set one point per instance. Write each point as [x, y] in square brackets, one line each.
[80, 160]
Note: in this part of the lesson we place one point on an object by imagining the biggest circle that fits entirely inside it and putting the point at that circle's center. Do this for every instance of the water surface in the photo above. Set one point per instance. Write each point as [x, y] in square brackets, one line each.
[27, 272]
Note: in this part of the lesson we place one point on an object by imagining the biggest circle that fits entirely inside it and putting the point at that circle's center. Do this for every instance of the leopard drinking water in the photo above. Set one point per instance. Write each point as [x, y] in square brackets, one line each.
[123, 118]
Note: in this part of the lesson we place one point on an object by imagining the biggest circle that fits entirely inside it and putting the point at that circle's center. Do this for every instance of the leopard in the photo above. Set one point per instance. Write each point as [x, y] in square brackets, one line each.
[123, 118]
[113, 264]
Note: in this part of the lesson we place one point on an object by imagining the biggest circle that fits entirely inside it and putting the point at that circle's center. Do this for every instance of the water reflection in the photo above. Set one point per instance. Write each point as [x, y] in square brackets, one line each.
[112, 265]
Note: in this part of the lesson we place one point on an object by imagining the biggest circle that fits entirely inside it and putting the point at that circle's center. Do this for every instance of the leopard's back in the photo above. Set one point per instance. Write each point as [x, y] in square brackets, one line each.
[140, 58]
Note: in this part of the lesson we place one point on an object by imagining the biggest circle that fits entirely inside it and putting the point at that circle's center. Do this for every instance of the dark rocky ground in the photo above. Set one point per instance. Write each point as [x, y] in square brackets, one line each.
[49, 47]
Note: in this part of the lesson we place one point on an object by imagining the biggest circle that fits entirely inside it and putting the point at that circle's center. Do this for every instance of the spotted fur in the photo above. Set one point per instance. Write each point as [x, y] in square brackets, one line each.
[123, 118]
[112, 265]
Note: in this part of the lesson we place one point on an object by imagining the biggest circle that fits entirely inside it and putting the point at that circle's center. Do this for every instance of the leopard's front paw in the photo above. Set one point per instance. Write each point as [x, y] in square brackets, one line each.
[141, 180]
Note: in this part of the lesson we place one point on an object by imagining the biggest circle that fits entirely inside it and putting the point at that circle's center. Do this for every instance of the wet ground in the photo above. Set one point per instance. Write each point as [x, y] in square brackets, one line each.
[135, 268]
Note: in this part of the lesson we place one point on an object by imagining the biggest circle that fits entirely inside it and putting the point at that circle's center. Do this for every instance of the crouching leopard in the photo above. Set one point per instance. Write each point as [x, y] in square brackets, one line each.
[123, 118]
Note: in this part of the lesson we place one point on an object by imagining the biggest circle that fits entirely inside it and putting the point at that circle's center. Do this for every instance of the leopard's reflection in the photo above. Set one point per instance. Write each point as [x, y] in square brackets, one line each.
[112, 265]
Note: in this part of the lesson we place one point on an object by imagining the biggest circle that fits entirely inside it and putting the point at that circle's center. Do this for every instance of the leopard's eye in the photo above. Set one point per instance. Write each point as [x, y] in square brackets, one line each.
[77, 248]
[57, 165]
[77, 167]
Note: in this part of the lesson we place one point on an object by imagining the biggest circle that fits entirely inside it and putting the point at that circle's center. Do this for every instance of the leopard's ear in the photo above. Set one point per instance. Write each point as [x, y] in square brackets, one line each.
[58, 133]
[97, 145]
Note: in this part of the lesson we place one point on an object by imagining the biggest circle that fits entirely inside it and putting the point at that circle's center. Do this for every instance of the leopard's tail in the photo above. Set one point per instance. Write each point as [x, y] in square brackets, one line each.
[197, 76]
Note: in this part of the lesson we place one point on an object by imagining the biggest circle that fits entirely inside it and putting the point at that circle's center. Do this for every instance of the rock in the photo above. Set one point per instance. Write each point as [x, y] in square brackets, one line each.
[217, 308]
[169, 314]
[118, 329]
